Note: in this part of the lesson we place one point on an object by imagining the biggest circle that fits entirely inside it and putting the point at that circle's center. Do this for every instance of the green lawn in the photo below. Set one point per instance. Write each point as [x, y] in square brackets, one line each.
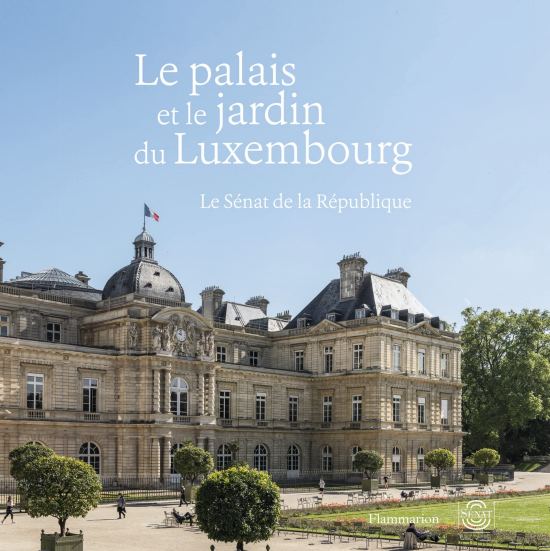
[521, 514]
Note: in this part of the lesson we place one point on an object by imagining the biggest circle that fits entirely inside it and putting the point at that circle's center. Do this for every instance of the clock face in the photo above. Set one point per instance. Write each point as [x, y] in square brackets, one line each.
[181, 335]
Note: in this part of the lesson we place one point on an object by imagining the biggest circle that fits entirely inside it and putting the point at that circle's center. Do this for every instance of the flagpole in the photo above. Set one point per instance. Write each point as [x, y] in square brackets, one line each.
[144, 218]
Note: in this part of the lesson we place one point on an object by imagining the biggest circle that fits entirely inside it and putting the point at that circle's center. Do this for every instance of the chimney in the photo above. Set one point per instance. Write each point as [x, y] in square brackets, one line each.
[259, 301]
[211, 301]
[2, 262]
[399, 274]
[285, 316]
[82, 277]
[352, 270]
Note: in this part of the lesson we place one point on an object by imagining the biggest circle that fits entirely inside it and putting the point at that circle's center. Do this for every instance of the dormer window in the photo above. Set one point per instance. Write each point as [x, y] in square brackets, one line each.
[148, 285]
[394, 314]
[170, 290]
[331, 316]
[157, 274]
[302, 322]
[360, 313]
[412, 319]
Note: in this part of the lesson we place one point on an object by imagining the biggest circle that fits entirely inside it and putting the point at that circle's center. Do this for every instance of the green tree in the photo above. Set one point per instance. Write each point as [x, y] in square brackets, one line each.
[506, 375]
[192, 462]
[440, 459]
[239, 504]
[368, 462]
[20, 458]
[60, 487]
[485, 458]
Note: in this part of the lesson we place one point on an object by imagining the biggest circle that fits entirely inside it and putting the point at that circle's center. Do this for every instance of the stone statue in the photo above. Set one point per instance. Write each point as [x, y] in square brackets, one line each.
[133, 334]
[157, 336]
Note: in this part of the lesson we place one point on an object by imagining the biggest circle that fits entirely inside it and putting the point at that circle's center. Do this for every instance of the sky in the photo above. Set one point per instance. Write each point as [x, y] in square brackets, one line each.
[466, 83]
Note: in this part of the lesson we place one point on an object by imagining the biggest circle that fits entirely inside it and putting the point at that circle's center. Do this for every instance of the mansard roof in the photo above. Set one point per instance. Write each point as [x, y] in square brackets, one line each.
[374, 293]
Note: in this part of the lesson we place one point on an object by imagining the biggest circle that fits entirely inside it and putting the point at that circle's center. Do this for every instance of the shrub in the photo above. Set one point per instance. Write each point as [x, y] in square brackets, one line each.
[440, 459]
[368, 462]
[192, 462]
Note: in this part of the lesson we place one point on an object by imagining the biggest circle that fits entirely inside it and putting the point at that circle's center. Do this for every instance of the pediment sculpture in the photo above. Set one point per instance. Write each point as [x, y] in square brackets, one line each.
[183, 335]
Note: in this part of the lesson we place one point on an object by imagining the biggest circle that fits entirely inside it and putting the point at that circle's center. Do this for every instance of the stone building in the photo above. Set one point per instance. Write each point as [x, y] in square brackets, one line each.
[123, 376]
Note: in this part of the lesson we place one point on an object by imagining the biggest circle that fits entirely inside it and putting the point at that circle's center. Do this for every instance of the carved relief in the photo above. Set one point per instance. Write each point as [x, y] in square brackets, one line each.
[183, 336]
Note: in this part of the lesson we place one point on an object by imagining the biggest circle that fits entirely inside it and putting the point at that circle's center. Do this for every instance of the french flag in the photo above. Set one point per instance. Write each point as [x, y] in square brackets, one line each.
[150, 213]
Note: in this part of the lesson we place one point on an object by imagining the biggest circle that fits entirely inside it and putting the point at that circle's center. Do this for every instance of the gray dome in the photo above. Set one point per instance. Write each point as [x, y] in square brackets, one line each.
[57, 282]
[144, 278]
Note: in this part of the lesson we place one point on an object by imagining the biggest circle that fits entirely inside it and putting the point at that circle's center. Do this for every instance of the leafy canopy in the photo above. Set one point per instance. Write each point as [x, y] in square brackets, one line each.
[506, 376]
[238, 504]
[368, 462]
[22, 457]
[485, 458]
[440, 459]
[191, 462]
[60, 487]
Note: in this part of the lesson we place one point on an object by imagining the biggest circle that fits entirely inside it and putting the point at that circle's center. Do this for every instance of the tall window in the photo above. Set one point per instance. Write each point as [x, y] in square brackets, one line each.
[445, 364]
[35, 391]
[354, 451]
[396, 460]
[299, 360]
[421, 357]
[444, 412]
[179, 403]
[420, 463]
[357, 356]
[89, 395]
[221, 354]
[421, 410]
[293, 409]
[356, 408]
[396, 357]
[225, 404]
[327, 409]
[253, 356]
[396, 408]
[173, 450]
[224, 457]
[261, 400]
[293, 459]
[326, 459]
[89, 453]
[53, 332]
[329, 359]
[360, 313]
[260, 457]
[4, 325]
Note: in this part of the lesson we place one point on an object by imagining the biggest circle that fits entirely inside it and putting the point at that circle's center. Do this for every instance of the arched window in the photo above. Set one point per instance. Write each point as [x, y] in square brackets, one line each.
[293, 458]
[354, 451]
[260, 457]
[396, 460]
[326, 457]
[420, 463]
[173, 450]
[89, 453]
[224, 457]
[179, 403]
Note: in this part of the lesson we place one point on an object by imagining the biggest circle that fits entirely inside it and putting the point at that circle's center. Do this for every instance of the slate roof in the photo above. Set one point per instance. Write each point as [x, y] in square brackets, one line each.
[374, 293]
[57, 282]
[146, 278]
[245, 315]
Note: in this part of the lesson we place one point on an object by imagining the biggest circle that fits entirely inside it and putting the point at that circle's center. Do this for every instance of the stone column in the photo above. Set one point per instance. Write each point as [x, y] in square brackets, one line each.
[200, 396]
[212, 394]
[167, 384]
[156, 390]
[155, 457]
[166, 448]
[119, 450]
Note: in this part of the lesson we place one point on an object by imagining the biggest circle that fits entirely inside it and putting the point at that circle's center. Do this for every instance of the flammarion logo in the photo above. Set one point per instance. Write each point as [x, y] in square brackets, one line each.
[476, 515]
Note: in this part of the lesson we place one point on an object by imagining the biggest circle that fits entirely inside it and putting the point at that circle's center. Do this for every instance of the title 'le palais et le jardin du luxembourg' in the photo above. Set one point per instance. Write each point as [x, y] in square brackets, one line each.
[122, 377]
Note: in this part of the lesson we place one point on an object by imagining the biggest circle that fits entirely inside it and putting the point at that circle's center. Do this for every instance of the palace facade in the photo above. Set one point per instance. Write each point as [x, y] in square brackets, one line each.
[122, 377]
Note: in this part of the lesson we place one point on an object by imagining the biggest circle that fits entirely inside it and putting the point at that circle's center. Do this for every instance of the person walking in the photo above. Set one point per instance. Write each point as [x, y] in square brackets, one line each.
[182, 497]
[386, 482]
[321, 486]
[121, 506]
[9, 510]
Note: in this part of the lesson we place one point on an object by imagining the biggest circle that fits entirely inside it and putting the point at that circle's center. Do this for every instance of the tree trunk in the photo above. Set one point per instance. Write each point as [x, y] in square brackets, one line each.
[62, 522]
[240, 545]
